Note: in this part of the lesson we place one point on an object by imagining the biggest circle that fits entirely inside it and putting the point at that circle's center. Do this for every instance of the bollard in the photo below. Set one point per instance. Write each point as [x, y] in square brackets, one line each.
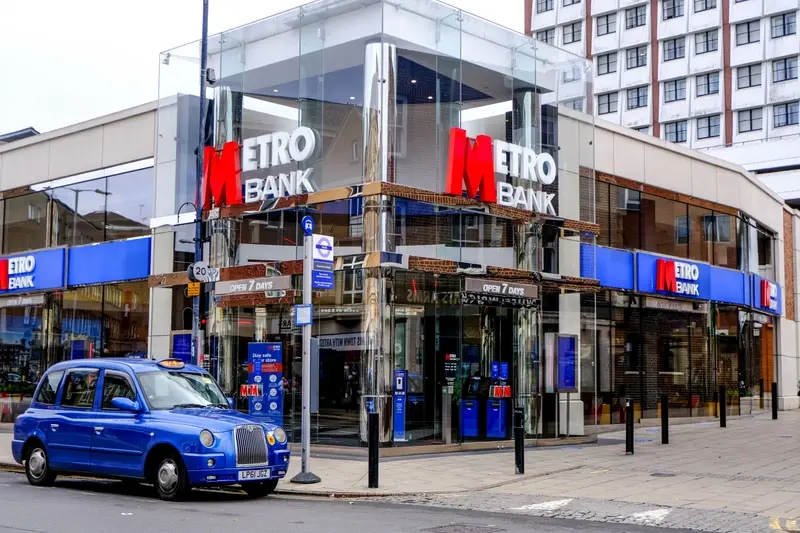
[519, 440]
[664, 419]
[629, 427]
[774, 401]
[761, 394]
[723, 406]
[372, 438]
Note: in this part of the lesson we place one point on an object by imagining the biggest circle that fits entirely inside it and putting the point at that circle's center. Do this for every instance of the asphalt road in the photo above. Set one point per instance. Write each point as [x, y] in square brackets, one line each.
[88, 506]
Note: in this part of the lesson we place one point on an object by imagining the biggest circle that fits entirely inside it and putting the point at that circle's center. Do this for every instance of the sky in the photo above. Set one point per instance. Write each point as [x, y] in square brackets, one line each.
[67, 61]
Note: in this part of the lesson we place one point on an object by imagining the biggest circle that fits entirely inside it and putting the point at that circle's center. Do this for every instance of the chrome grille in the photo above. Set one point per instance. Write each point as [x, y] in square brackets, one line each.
[251, 445]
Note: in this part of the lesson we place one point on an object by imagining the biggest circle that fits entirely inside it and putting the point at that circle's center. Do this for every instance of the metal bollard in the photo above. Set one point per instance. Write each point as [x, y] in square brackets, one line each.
[761, 394]
[723, 406]
[628, 427]
[774, 401]
[519, 440]
[372, 438]
[664, 419]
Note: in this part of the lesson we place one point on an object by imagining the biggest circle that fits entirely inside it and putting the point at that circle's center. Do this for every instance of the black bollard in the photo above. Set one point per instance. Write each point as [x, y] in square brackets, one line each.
[774, 401]
[664, 419]
[761, 394]
[519, 440]
[723, 406]
[629, 427]
[372, 437]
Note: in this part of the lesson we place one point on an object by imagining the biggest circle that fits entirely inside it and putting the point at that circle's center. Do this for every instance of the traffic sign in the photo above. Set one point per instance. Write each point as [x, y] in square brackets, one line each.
[322, 249]
[194, 289]
[198, 271]
[308, 225]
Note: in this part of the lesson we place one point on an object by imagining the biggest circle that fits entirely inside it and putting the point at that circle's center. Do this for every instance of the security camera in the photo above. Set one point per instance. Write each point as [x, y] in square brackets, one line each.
[211, 76]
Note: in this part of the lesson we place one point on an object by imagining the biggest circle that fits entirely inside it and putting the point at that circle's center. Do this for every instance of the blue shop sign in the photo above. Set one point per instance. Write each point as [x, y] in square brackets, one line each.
[673, 277]
[109, 262]
[32, 271]
[767, 295]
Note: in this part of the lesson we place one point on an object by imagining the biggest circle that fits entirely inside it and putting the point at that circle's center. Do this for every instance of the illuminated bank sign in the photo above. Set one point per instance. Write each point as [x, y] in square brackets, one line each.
[766, 295]
[673, 277]
[472, 165]
[222, 170]
[32, 271]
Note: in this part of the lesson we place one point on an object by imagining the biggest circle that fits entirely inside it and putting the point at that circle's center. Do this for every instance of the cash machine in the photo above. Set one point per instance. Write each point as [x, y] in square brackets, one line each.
[497, 405]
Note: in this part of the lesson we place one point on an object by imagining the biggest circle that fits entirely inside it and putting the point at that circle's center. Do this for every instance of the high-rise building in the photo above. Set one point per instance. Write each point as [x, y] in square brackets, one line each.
[714, 75]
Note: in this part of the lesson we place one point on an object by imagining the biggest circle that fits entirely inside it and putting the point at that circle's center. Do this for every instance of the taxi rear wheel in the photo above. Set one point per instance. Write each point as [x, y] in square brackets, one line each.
[260, 490]
[170, 478]
[37, 467]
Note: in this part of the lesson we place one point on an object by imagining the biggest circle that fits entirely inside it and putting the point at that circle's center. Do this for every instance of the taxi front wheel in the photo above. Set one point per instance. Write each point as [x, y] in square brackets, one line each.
[37, 467]
[260, 490]
[170, 478]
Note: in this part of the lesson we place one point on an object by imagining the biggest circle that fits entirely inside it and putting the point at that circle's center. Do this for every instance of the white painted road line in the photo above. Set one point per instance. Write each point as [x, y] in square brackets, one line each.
[544, 506]
[649, 518]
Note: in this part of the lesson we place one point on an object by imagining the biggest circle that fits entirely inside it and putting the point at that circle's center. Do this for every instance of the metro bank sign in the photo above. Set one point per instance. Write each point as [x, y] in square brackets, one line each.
[673, 277]
[32, 271]
[472, 165]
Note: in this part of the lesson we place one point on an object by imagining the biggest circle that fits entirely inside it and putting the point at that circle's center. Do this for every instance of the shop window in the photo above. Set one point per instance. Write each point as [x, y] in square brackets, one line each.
[129, 204]
[47, 394]
[766, 260]
[661, 230]
[682, 230]
[466, 229]
[717, 228]
[79, 388]
[700, 248]
[353, 289]
[25, 225]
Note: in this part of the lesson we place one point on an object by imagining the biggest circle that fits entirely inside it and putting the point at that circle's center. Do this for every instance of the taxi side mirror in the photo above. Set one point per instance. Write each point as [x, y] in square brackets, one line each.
[125, 404]
[231, 403]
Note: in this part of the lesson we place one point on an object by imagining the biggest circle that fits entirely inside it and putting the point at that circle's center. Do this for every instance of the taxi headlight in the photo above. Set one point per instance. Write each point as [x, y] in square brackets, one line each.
[280, 435]
[206, 438]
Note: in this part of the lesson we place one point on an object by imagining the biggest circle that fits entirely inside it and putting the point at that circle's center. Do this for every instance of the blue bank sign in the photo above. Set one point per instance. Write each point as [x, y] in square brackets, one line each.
[33, 271]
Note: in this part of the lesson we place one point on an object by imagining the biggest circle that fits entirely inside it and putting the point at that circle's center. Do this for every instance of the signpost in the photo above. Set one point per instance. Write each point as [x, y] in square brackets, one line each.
[304, 316]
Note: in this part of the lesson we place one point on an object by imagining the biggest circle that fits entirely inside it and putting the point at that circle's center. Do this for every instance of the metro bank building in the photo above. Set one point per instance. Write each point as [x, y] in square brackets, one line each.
[493, 248]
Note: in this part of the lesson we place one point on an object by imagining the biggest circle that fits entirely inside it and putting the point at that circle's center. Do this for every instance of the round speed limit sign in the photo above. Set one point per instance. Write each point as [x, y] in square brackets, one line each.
[198, 271]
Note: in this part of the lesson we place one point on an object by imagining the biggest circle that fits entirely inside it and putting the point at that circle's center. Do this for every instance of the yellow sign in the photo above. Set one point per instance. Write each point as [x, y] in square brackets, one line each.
[194, 289]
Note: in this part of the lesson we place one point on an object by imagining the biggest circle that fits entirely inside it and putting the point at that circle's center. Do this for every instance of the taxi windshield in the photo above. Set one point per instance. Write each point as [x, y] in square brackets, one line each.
[175, 390]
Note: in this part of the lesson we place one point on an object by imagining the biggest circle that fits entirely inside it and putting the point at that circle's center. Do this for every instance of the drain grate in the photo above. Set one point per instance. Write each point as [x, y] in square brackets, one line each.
[464, 528]
[662, 474]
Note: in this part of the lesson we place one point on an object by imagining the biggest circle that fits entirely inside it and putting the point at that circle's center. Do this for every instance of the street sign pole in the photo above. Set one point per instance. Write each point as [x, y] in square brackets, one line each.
[305, 476]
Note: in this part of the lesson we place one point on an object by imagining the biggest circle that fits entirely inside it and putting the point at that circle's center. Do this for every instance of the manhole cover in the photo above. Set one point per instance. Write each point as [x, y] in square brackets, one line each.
[662, 474]
[464, 528]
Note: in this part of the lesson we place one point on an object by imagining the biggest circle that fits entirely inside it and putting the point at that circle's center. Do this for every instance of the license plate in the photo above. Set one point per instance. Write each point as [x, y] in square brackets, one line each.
[250, 475]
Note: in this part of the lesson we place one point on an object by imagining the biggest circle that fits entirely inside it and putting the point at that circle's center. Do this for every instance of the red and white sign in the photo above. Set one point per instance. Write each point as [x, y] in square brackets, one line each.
[677, 277]
[222, 170]
[17, 273]
[769, 295]
[472, 165]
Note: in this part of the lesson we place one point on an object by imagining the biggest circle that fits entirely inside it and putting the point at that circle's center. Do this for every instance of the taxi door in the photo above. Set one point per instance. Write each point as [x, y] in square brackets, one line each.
[69, 435]
[120, 438]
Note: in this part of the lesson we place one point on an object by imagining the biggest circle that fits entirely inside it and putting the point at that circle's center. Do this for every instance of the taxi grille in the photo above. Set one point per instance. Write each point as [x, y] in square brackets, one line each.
[251, 445]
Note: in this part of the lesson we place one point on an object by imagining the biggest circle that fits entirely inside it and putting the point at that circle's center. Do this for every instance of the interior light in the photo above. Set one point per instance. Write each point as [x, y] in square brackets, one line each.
[274, 90]
[430, 98]
[352, 98]
[413, 81]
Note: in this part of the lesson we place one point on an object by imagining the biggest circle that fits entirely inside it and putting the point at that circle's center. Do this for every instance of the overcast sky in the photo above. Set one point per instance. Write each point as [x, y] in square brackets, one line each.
[66, 61]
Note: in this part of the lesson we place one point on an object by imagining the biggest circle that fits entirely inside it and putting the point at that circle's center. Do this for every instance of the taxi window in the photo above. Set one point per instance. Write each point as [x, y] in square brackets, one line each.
[116, 385]
[79, 388]
[47, 392]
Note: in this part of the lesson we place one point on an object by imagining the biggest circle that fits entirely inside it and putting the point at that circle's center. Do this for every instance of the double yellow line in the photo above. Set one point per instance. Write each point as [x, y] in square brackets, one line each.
[790, 526]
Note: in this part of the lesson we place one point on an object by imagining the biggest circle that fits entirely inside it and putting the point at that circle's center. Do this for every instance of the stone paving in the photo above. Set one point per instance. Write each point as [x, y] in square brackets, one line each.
[742, 478]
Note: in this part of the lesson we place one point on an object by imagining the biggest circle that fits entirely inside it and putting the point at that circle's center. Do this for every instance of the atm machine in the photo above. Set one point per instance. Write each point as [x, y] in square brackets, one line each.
[497, 405]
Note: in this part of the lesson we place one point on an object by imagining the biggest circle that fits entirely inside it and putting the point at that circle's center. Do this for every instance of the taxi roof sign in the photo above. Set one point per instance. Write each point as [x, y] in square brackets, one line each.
[171, 363]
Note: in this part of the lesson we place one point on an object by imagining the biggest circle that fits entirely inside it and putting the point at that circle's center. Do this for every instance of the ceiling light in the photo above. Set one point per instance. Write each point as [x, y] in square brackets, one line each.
[430, 98]
[352, 98]
[413, 81]
[274, 90]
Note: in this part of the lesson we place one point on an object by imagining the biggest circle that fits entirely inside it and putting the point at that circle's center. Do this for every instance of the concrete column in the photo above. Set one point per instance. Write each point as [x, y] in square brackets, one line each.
[379, 116]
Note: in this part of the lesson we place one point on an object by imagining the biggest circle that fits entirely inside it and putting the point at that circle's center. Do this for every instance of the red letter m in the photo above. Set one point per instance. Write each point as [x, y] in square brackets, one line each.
[472, 165]
[665, 276]
[221, 176]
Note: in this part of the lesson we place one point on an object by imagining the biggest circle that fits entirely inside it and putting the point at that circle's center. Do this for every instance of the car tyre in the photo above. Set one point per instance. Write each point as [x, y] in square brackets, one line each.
[37, 467]
[170, 478]
[261, 489]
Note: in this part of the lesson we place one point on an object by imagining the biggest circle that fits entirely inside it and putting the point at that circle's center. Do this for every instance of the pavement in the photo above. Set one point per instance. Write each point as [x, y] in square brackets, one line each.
[742, 478]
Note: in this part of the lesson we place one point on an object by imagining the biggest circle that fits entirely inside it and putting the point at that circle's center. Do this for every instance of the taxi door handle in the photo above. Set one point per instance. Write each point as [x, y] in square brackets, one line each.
[53, 427]
[98, 429]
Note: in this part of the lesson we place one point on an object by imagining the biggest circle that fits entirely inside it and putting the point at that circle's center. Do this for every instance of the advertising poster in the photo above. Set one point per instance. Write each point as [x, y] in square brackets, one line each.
[182, 346]
[265, 381]
[567, 363]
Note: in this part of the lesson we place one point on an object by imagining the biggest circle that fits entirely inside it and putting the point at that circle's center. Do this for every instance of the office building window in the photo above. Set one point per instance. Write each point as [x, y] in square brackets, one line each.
[706, 41]
[675, 132]
[635, 17]
[637, 97]
[607, 103]
[571, 73]
[547, 36]
[748, 32]
[573, 32]
[575, 103]
[674, 48]
[673, 9]
[704, 5]
[606, 63]
[708, 84]
[783, 25]
[749, 76]
[675, 90]
[571, 2]
[750, 120]
[636, 57]
[708, 127]
[607, 24]
[544, 5]
[787, 114]
[784, 69]
[643, 129]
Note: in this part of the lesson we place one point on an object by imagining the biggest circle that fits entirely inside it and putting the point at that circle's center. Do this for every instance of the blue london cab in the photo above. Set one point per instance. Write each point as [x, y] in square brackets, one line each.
[161, 422]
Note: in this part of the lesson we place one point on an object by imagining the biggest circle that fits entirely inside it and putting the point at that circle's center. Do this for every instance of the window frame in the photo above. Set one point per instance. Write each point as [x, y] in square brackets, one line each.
[706, 41]
[607, 63]
[579, 32]
[635, 19]
[749, 32]
[566, 3]
[608, 103]
[70, 371]
[611, 27]
[750, 76]
[677, 90]
[678, 49]
[707, 4]
[549, 32]
[543, 6]
[44, 381]
[787, 69]
[637, 56]
[788, 114]
[787, 25]
[708, 83]
[116, 373]
[750, 120]
[672, 9]
[708, 125]
[637, 97]
[677, 132]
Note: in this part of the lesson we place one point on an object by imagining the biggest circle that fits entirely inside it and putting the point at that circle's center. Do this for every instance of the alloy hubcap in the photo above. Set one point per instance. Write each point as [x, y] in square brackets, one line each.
[37, 463]
[168, 476]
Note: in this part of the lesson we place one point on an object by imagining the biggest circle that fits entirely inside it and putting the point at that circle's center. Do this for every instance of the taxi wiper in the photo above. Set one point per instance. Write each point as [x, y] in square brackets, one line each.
[220, 405]
[189, 405]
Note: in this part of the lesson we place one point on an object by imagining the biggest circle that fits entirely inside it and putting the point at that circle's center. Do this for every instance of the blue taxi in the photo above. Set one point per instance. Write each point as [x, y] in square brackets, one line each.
[161, 422]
